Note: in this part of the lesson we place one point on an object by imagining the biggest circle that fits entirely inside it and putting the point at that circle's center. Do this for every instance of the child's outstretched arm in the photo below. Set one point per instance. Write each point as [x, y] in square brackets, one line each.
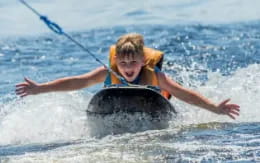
[195, 98]
[30, 87]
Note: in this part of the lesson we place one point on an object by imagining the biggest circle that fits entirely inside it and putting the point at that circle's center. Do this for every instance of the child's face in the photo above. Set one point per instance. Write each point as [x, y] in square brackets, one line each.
[130, 66]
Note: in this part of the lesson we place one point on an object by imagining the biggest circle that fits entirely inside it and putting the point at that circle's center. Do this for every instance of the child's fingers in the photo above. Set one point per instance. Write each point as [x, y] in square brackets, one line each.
[20, 92]
[224, 102]
[28, 81]
[21, 85]
[24, 94]
[234, 112]
[19, 89]
[231, 116]
[235, 106]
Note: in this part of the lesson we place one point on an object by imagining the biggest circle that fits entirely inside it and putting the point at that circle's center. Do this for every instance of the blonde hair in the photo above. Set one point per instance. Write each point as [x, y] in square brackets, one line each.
[130, 45]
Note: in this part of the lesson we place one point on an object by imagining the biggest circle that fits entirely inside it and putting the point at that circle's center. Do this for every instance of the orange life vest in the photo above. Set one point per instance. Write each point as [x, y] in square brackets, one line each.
[148, 75]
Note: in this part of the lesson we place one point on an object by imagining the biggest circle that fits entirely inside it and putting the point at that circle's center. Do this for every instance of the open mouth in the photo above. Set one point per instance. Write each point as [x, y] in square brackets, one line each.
[129, 74]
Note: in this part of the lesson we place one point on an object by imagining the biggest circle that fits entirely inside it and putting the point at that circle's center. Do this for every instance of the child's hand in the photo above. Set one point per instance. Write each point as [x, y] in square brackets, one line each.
[231, 110]
[28, 87]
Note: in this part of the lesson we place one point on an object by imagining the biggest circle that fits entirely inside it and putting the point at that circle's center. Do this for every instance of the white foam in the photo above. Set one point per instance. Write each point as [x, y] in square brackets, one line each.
[44, 118]
[61, 116]
[243, 87]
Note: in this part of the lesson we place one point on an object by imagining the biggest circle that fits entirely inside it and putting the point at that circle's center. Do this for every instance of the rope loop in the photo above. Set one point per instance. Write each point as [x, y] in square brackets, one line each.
[53, 26]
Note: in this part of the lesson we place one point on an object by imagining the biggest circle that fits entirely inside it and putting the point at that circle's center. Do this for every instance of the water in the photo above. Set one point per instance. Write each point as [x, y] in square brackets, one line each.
[210, 47]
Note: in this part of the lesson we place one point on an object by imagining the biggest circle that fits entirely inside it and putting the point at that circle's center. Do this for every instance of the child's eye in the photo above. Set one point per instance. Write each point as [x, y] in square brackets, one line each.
[122, 63]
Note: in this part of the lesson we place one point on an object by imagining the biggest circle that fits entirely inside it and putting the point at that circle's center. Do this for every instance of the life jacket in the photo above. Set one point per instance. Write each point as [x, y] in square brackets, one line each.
[147, 74]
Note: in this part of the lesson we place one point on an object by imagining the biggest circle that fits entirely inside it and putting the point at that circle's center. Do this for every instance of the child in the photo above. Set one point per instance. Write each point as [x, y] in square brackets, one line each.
[137, 64]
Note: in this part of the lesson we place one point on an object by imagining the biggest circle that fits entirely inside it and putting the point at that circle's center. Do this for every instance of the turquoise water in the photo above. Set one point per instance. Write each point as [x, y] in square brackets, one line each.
[210, 47]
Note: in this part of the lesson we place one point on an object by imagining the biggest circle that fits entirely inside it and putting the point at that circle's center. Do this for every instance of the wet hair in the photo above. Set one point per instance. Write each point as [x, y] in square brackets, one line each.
[131, 44]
